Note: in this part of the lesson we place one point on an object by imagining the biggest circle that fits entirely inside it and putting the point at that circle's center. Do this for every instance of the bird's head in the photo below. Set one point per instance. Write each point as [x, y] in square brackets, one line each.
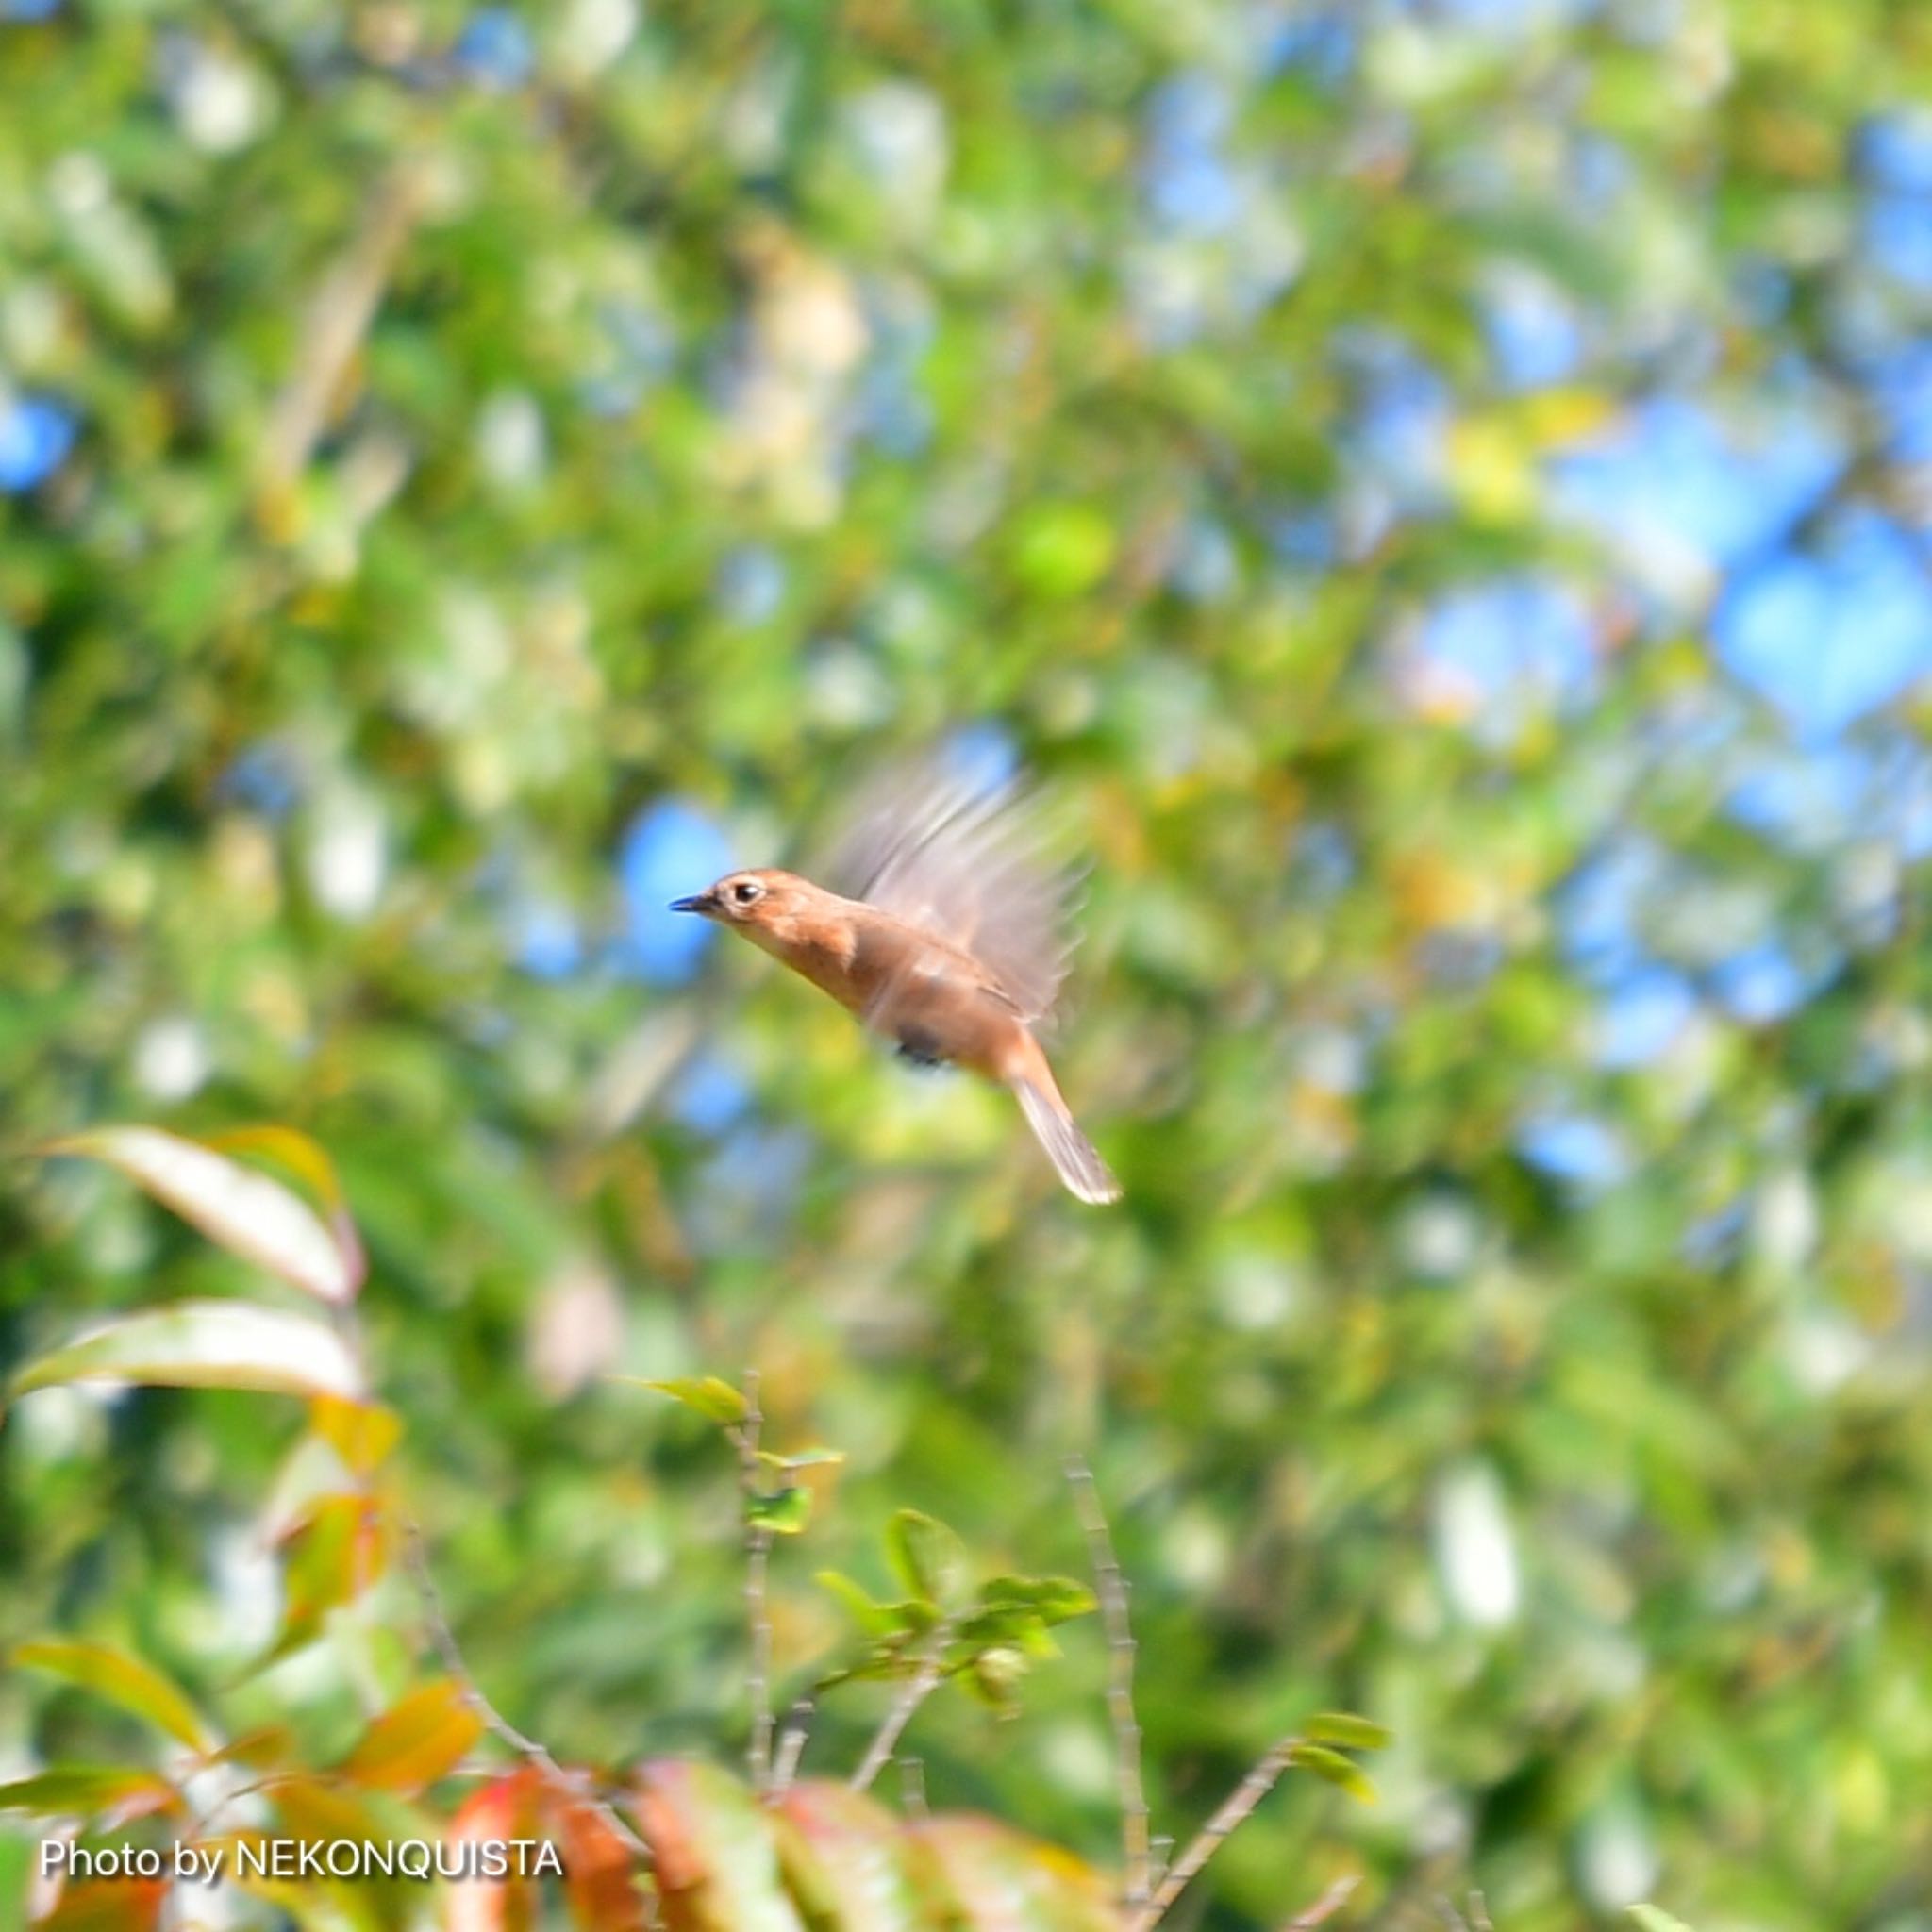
[757, 902]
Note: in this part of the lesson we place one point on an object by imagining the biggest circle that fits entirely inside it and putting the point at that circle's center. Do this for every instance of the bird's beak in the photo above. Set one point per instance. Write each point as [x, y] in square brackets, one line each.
[698, 902]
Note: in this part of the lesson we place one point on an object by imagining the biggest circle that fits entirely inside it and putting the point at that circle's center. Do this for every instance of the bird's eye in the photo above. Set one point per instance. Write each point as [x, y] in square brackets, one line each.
[745, 891]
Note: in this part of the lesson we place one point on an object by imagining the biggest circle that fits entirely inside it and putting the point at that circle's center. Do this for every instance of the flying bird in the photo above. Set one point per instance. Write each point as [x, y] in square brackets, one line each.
[944, 934]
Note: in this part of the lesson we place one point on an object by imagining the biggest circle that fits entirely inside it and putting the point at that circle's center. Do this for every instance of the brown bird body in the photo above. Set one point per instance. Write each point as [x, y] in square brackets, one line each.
[949, 946]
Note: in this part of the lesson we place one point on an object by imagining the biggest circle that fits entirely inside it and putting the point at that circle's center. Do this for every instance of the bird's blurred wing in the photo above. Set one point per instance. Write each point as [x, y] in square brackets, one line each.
[964, 862]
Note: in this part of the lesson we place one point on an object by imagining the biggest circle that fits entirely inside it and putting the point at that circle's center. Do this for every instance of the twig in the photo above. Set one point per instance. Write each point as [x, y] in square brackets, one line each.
[917, 1689]
[757, 1554]
[793, 1735]
[1325, 1908]
[1208, 1840]
[912, 1786]
[570, 1784]
[1110, 1586]
[339, 318]
[1475, 1919]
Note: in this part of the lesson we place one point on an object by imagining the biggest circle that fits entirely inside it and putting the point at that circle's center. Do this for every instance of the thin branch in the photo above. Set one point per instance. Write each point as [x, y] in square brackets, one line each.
[1475, 1919]
[339, 318]
[758, 1556]
[1110, 1586]
[1325, 1908]
[573, 1785]
[915, 1693]
[912, 1786]
[792, 1739]
[1208, 1840]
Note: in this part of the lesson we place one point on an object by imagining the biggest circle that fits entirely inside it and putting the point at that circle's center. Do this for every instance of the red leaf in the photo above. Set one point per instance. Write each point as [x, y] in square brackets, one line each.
[716, 1859]
[106, 1904]
[504, 1809]
[600, 1871]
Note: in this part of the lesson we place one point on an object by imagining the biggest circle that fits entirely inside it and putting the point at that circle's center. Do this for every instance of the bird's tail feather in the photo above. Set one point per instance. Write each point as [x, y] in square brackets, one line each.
[1074, 1156]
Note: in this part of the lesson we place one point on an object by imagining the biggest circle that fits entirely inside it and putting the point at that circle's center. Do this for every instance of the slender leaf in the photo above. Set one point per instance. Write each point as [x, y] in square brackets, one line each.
[247, 1213]
[1351, 1733]
[205, 1345]
[362, 1433]
[1343, 1773]
[124, 1680]
[303, 1158]
[926, 1557]
[711, 1396]
[1052, 1599]
[876, 1619]
[334, 1553]
[801, 1459]
[784, 1513]
[88, 1790]
[416, 1741]
[501, 1809]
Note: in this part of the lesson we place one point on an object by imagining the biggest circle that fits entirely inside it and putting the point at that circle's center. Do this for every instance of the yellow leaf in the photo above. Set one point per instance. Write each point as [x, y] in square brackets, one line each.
[416, 1741]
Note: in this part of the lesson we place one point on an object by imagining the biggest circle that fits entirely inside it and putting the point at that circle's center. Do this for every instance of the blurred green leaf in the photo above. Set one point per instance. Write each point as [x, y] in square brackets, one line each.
[784, 1513]
[88, 1790]
[875, 1618]
[330, 1556]
[1351, 1732]
[926, 1557]
[124, 1680]
[1063, 549]
[1053, 1599]
[801, 1459]
[712, 1397]
[1335, 1769]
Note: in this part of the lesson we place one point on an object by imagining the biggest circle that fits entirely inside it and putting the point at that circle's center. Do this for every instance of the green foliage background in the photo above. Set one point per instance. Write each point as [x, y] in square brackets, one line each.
[744, 391]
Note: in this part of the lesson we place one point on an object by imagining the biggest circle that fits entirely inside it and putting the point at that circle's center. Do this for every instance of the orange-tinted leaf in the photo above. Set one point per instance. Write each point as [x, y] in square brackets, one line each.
[716, 1860]
[124, 1680]
[362, 1433]
[245, 1212]
[314, 1811]
[1002, 1881]
[416, 1741]
[260, 1749]
[600, 1875]
[106, 1904]
[504, 1809]
[335, 1553]
[849, 1862]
